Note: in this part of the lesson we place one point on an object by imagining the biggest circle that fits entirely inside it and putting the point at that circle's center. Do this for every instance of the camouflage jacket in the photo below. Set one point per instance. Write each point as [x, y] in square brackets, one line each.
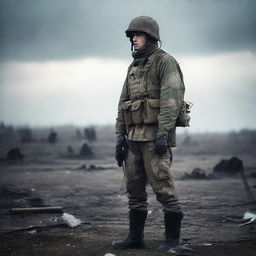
[159, 78]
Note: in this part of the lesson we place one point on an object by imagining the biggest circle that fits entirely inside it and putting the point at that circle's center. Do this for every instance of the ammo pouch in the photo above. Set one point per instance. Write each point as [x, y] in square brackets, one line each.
[183, 117]
[141, 111]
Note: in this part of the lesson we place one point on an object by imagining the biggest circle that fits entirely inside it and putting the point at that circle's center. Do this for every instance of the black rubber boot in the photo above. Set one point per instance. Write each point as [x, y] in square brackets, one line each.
[172, 222]
[135, 238]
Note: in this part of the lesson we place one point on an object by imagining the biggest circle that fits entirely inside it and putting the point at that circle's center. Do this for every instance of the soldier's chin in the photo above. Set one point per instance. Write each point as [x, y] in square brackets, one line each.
[137, 48]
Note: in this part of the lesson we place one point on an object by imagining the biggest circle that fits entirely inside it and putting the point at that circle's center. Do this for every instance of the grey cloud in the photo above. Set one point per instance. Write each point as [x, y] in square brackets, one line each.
[65, 29]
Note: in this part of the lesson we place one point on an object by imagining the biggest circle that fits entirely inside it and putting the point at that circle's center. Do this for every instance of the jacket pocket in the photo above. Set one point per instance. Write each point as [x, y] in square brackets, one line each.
[152, 110]
[137, 112]
[126, 109]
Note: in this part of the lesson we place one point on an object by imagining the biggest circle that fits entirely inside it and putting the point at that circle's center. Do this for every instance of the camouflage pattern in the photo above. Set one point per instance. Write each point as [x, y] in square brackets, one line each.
[162, 81]
[144, 24]
[143, 166]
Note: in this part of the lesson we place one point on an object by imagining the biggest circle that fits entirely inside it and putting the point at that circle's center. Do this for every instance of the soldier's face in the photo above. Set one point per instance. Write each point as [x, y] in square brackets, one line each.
[139, 40]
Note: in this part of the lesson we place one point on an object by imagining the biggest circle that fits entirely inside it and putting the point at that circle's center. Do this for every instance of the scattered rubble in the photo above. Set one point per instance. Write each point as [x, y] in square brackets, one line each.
[92, 167]
[197, 173]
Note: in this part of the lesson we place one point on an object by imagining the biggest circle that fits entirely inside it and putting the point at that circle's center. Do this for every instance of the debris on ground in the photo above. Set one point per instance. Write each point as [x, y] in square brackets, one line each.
[180, 250]
[14, 154]
[71, 220]
[55, 209]
[229, 167]
[250, 217]
[197, 173]
[92, 167]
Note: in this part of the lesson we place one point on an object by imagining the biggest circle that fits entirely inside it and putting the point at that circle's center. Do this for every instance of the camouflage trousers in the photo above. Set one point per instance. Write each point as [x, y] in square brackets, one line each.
[142, 166]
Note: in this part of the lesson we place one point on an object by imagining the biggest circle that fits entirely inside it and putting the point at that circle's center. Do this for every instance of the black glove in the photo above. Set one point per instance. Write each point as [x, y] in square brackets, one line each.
[121, 150]
[160, 146]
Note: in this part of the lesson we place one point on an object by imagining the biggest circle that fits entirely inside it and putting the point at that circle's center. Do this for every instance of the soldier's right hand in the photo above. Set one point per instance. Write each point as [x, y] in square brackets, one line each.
[121, 150]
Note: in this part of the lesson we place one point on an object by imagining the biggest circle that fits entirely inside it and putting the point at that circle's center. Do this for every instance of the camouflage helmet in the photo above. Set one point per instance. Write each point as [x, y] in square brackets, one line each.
[144, 24]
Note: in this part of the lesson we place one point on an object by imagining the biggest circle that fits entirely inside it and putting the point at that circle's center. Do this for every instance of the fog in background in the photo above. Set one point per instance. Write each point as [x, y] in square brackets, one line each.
[64, 62]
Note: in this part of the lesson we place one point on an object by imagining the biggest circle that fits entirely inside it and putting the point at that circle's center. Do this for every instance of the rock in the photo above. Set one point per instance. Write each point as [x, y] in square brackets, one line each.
[14, 155]
[71, 220]
[230, 167]
[197, 173]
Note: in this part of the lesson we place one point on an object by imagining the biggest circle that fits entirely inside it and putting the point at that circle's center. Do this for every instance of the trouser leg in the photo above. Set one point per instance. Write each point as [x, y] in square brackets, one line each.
[135, 178]
[136, 189]
[158, 173]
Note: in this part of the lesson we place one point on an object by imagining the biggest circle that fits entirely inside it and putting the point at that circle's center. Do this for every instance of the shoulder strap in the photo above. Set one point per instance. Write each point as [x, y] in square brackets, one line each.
[151, 59]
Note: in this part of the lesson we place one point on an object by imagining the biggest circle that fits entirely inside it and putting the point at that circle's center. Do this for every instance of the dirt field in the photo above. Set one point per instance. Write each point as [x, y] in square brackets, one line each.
[49, 176]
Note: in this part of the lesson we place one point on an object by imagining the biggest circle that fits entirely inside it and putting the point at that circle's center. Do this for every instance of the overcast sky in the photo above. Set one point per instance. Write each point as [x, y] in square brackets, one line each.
[59, 59]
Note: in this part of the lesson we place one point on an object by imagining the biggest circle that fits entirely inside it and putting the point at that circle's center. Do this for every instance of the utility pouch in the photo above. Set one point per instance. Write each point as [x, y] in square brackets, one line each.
[127, 114]
[152, 109]
[137, 111]
[183, 117]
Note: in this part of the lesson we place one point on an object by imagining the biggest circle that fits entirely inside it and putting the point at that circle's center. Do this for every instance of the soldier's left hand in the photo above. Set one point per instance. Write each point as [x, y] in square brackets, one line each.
[160, 146]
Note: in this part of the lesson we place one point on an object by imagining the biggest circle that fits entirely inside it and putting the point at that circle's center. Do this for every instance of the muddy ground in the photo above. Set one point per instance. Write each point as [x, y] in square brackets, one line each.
[49, 176]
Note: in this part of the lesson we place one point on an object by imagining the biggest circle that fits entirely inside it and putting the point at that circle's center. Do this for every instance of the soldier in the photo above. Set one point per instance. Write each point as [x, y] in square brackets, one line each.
[150, 102]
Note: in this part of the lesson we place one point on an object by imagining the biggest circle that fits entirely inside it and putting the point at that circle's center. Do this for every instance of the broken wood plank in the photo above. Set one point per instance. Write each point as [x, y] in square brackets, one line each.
[55, 209]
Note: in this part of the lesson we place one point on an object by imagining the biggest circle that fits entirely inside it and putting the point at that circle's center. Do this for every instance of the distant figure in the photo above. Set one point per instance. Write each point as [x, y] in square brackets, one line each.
[14, 155]
[78, 134]
[86, 151]
[52, 138]
[70, 150]
[90, 134]
[150, 103]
